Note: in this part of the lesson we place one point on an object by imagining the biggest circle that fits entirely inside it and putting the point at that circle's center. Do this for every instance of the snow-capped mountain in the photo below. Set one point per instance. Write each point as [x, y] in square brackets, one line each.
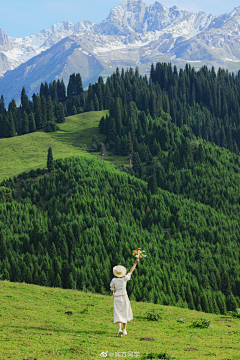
[133, 16]
[129, 18]
[133, 34]
[19, 50]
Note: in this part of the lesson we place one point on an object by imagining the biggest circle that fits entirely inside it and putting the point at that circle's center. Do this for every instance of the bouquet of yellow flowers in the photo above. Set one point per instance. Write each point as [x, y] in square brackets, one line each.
[139, 253]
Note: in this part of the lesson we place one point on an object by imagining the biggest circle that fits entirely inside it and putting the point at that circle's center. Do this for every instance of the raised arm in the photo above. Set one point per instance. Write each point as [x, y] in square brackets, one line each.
[134, 265]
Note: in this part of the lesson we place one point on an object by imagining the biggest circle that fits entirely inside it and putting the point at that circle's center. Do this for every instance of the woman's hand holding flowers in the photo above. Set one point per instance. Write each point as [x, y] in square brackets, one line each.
[138, 254]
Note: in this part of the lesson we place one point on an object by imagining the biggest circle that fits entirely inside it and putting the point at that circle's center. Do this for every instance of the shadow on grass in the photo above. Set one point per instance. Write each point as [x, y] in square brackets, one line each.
[78, 138]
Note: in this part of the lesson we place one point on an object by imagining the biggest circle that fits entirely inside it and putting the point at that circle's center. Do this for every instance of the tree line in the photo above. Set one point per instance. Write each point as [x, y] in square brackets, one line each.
[206, 101]
[45, 109]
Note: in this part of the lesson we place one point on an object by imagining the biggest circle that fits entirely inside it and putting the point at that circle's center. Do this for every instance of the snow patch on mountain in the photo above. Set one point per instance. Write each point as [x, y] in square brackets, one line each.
[136, 30]
[23, 49]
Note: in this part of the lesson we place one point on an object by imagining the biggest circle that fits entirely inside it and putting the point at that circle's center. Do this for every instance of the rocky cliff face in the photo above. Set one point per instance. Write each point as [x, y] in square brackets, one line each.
[5, 44]
[133, 16]
[125, 19]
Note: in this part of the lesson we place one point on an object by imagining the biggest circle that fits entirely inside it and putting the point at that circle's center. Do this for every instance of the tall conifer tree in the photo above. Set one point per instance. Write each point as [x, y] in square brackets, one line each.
[50, 165]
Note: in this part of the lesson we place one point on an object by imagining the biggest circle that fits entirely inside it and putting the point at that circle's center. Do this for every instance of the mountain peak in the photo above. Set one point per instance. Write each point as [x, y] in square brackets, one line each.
[4, 41]
[236, 11]
[131, 2]
[125, 18]
[84, 25]
[131, 5]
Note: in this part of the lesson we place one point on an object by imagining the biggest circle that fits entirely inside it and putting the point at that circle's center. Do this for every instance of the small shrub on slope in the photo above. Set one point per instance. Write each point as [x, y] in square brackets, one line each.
[153, 315]
[202, 324]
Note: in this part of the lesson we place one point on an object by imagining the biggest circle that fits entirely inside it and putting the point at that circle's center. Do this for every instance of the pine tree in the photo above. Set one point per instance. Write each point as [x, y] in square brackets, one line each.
[42, 280]
[6, 124]
[117, 147]
[60, 113]
[50, 165]
[112, 130]
[41, 90]
[78, 84]
[71, 88]
[140, 132]
[123, 146]
[189, 297]
[44, 111]
[28, 276]
[3, 246]
[25, 123]
[136, 163]
[46, 90]
[2, 105]
[32, 125]
[65, 274]
[74, 110]
[143, 119]
[231, 302]
[12, 130]
[152, 183]
[144, 153]
[153, 104]
[216, 308]
[50, 114]
[166, 105]
[81, 101]
[118, 115]
[226, 288]
[5, 275]
[70, 282]
[38, 113]
[12, 107]
[58, 281]
[96, 103]
[221, 303]
[129, 144]
[99, 95]
[204, 302]
[60, 95]
[201, 156]
[24, 100]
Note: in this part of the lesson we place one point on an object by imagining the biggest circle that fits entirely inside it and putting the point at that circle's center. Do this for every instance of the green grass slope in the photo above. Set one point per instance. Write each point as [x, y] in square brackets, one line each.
[34, 325]
[26, 152]
[23, 153]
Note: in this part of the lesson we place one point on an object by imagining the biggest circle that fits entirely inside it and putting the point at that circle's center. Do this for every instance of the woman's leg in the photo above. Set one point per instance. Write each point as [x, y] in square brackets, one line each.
[125, 326]
[119, 325]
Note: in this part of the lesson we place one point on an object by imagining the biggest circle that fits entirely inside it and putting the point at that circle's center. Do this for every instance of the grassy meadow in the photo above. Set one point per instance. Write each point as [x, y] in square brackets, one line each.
[26, 152]
[34, 325]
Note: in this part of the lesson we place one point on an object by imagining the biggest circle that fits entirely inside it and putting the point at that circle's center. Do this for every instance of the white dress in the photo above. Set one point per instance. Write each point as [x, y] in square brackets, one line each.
[122, 308]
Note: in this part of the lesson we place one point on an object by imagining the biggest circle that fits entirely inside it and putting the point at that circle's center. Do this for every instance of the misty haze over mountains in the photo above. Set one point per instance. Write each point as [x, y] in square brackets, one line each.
[133, 34]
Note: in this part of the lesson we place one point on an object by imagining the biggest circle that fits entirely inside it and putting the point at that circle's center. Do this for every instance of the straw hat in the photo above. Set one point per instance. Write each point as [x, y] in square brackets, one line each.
[119, 271]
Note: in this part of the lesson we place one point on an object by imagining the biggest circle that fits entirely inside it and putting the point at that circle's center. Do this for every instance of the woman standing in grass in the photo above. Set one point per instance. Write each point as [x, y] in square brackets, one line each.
[122, 307]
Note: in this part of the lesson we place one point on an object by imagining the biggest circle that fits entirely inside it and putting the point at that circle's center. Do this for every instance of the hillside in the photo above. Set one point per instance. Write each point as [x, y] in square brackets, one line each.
[180, 199]
[26, 152]
[87, 216]
[34, 325]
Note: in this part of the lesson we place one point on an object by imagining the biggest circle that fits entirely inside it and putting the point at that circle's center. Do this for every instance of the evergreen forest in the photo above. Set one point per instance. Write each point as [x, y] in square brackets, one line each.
[178, 199]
